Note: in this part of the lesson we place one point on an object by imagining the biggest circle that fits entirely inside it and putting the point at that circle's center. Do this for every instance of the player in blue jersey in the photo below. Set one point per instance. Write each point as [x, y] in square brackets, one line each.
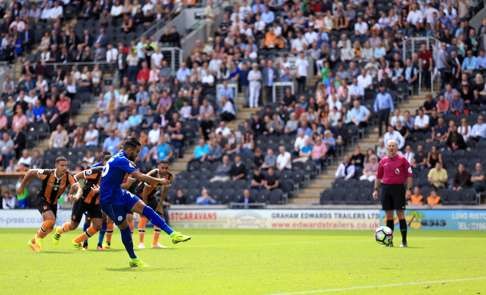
[116, 202]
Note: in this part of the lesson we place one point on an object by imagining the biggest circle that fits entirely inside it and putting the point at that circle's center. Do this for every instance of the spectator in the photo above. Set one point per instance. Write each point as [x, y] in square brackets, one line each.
[257, 181]
[238, 169]
[464, 129]
[284, 159]
[421, 122]
[440, 131]
[25, 161]
[478, 178]
[8, 199]
[59, 138]
[112, 143]
[205, 198]
[91, 136]
[271, 181]
[346, 169]
[228, 112]
[437, 176]
[462, 178]
[455, 141]
[254, 77]
[392, 134]
[383, 105]
[319, 151]
[434, 157]
[270, 159]
[433, 199]
[370, 169]
[201, 151]
[358, 115]
[223, 170]
[416, 198]
[180, 198]
[305, 151]
[478, 130]
[358, 159]
[246, 198]
[19, 120]
[420, 159]
[161, 152]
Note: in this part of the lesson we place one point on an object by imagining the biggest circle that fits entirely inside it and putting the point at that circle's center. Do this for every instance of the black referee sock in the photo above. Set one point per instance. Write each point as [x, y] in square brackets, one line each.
[390, 224]
[403, 230]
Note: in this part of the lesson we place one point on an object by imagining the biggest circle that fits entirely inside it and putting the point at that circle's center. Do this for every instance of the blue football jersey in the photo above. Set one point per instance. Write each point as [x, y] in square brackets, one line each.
[112, 177]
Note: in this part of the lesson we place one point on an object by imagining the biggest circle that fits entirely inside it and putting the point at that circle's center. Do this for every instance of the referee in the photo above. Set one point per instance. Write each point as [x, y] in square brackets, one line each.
[393, 172]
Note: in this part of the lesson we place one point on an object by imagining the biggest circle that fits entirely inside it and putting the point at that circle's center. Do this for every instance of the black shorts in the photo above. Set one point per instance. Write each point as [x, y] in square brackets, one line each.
[393, 197]
[44, 206]
[152, 203]
[80, 207]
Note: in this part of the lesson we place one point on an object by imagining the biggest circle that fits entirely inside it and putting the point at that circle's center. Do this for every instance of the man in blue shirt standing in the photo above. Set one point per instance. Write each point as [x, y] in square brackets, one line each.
[383, 106]
[117, 202]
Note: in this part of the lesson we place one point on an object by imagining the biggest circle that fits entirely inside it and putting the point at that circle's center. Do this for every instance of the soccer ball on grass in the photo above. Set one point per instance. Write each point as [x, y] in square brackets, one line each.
[384, 235]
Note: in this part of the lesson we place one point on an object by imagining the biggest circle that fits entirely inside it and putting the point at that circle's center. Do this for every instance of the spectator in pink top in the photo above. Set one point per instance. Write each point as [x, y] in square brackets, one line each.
[63, 105]
[3, 120]
[19, 120]
[319, 151]
[370, 169]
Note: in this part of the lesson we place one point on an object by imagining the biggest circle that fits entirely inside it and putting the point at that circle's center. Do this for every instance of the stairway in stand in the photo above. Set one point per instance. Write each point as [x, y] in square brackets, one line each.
[310, 195]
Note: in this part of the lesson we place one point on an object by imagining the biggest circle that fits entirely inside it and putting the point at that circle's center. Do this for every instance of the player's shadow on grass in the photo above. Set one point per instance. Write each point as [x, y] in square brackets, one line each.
[57, 252]
[145, 269]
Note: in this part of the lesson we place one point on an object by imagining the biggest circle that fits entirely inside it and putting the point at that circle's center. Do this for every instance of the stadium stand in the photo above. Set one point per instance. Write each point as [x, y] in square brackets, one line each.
[318, 77]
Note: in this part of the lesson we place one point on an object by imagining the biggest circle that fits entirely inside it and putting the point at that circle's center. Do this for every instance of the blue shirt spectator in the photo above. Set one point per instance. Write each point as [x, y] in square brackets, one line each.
[201, 150]
[383, 101]
[111, 143]
[469, 63]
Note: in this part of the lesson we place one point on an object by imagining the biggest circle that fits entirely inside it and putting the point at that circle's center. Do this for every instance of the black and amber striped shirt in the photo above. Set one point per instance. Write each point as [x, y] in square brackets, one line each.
[148, 191]
[52, 186]
[92, 177]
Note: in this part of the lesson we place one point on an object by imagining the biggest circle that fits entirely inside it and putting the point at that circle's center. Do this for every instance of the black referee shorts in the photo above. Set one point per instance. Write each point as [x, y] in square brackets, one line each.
[393, 197]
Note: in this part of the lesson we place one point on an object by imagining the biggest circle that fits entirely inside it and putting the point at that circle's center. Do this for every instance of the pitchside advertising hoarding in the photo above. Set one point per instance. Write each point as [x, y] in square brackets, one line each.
[317, 219]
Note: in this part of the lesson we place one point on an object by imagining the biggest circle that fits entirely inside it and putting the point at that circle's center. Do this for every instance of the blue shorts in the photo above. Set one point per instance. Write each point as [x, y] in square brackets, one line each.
[118, 210]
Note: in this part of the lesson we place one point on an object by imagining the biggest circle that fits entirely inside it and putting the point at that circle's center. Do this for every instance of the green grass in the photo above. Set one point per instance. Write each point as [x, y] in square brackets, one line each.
[251, 262]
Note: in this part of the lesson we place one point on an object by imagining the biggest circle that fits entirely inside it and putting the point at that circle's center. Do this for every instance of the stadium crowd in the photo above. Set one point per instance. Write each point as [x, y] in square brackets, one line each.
[345, 58]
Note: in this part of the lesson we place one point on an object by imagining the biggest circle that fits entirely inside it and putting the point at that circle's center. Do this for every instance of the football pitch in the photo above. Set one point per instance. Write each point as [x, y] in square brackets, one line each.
[251, 262]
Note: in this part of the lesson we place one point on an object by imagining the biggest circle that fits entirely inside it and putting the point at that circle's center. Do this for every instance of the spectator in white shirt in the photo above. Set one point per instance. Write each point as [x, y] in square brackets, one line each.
[299, 141]
[360, 27]
[365, 79]
[228, 112]
[478, 131]
[91, 136]
[154, 133]
[392, 134]
[284, 159]
[355, 90]
[415, 16]
[409, 154]
[346, 169]
[421, 122]
[255, 78]
[397, 116]
[111, 54]
[8, 200]
[156, 59]
[223, 129]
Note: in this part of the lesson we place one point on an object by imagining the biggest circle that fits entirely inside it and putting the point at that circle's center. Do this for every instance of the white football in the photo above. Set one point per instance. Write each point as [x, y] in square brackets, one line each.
[384, 235]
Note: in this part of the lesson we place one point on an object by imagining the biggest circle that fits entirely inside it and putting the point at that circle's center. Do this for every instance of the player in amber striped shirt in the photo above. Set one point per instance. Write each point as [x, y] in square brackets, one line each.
[54, 184]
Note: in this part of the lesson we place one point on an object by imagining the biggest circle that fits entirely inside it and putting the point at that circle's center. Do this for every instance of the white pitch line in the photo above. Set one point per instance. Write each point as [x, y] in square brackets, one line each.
[335, 290]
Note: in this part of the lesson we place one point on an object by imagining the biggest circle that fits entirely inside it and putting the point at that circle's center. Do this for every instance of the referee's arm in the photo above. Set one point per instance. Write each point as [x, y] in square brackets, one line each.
[379, 176]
